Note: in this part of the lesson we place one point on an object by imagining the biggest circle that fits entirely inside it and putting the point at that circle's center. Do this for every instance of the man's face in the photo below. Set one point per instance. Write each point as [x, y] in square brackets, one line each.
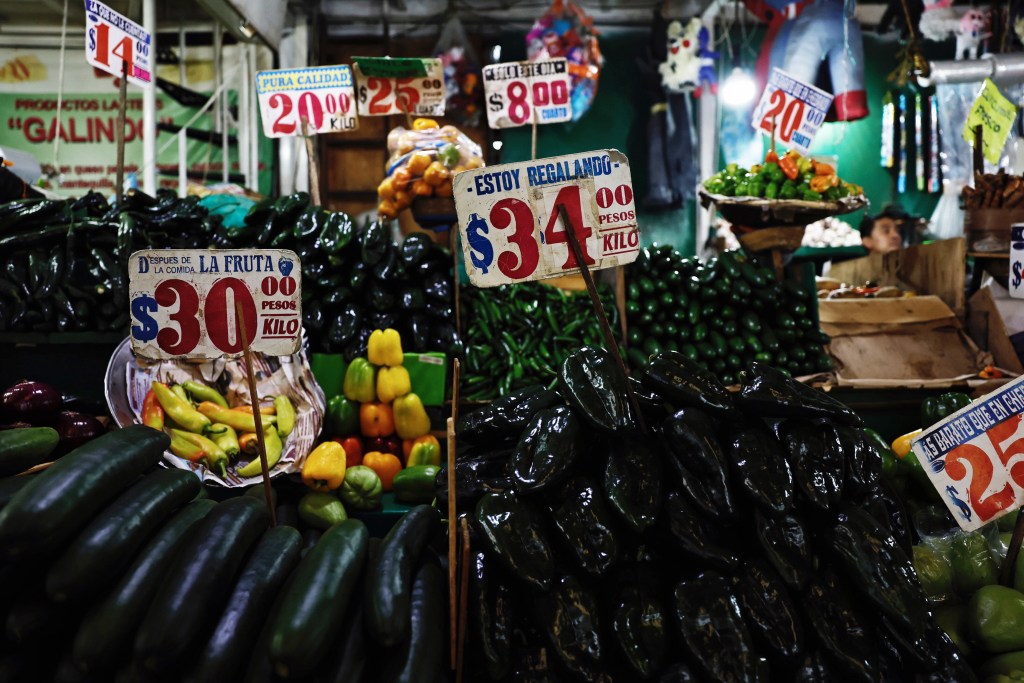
[885, 237]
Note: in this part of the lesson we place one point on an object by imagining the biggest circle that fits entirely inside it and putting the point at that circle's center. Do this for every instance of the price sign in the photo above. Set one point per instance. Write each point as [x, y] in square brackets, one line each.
[511, 226]
[520, 92]
[995, 114]
[183, 302]
[117, 45]
[1017, 261]
[798, 110]
[323, 97]
[389, 86]
[975, 457]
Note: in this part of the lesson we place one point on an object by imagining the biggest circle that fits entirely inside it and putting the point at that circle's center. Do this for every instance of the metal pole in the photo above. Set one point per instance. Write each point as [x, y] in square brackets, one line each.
[243, 114]
[149, 105]
[182, 140]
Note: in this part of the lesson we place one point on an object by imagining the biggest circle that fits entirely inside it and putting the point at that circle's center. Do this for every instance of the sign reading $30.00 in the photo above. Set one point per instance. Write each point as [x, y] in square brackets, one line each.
[511, 225]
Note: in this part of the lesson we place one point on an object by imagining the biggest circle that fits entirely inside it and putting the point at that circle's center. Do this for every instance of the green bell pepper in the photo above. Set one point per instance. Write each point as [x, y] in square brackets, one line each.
[810, 195]
[934, 409]
[972, 563]
[362, 488]
[756, 187]
[360, 381]
[774, 173]
[772, 191]
[342, 418]
[788, 190]
[995, 619]
[321, 510]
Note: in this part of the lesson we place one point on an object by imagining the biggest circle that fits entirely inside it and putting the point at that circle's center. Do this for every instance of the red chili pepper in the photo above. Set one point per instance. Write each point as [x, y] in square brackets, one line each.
[152, 411]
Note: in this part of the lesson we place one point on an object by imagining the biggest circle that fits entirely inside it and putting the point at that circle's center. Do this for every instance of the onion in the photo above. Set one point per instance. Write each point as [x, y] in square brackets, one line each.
[75, 429]
[31, 401]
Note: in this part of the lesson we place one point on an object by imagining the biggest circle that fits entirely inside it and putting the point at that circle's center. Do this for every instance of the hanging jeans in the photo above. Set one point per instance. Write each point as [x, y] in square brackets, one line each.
[673, 153]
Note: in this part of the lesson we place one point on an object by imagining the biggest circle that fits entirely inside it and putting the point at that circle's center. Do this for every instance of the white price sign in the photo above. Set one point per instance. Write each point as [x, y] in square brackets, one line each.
[511, 226]
[389, 86]
[117, 45]
[519, 93]
[183, 302]
[975, 457]
[796, 109]
[322, 97]
[1017, 261]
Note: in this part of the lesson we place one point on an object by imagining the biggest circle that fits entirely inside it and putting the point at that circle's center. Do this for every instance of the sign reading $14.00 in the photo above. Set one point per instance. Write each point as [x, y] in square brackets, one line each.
[511, 225]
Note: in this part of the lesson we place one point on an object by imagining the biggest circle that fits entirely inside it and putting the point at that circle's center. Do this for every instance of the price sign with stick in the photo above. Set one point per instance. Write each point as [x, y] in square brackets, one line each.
[994, 115]
[387, 86]
[798, 108]
[321, 97]
[975, 460]
[510, 225]
[520, 93]
[117, 45]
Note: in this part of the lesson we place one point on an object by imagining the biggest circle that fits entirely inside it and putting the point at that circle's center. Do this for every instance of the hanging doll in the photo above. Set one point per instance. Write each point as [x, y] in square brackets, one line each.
[970, 26]
[801, 34]
[680, 71]
[707, 57]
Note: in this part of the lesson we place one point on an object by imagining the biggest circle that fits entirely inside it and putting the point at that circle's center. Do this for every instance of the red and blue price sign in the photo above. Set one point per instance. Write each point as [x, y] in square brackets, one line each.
[184, 302]
[117, 45]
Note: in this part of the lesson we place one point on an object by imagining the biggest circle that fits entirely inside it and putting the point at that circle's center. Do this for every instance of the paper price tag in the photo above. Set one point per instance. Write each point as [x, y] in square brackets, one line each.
[995, 114]
[511, 227]
[798, 110]
[520, 92]
[1017, 261]
[975, 457]
[116, 44]
[386, 86]
[323, 97]
[183, 302]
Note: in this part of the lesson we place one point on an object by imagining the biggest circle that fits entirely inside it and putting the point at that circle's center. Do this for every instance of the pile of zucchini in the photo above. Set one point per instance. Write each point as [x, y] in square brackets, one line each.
[117, 570]
[724, 314]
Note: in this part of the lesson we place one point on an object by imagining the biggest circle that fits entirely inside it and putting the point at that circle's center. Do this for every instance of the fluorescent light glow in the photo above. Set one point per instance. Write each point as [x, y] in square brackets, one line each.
[739, 89]
[496, 144]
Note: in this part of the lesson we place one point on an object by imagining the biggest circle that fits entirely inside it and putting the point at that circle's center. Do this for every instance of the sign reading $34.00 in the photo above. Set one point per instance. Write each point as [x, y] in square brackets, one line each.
[511, 226]
[184, 302]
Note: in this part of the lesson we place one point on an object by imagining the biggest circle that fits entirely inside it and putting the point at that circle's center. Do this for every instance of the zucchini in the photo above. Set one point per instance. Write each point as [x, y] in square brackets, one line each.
[349, 660]
[259, 584]
[313, 606]
[25, 447]
[56, 504]
[390, 586]
[33, 618]
[106, 630]
[196, 586]
[419, 657]
[100, 553]
[415, 485]
[11, 485]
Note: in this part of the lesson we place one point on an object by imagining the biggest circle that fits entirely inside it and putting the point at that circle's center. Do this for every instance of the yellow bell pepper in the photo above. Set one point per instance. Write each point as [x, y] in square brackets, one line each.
[324, 469]
[411, 419]
[359, 381]
[385, 348]
[392, 383]
[901, 446]
[425, 450]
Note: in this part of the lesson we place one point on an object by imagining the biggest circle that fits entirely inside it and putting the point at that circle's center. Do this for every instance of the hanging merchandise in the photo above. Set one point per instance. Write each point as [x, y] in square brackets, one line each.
[970, 26]
[901, 178]
[934, 164]
[800, 35]
[567, 31]
[888, 131]
[919, 151]
[462, 83]
[690, 63]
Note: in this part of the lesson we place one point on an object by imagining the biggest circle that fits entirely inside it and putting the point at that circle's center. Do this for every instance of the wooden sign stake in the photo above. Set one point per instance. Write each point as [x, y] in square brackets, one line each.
[979, 153]
[773, 135]
[452, 539]
[595, 299]
[247, 352]
[533, 138]
[1012, 551]
[463, 598]
[314, 169]
[122, 96]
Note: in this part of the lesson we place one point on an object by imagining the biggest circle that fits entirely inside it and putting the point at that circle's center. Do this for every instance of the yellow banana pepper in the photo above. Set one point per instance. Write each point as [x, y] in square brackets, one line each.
[274, 449]
[901, 446]
[236, 419]
[385, 348]
[411, 419]
[285, 415]
[392, 383]
[324, 469]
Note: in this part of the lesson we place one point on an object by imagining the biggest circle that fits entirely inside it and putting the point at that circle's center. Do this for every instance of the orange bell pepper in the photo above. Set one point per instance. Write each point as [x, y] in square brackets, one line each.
[821, 168]
[789, 168]
[771, 156]
[376, 419]
[820, 183]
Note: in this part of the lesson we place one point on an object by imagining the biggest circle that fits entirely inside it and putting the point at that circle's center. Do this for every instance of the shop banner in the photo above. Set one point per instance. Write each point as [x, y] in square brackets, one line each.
[511, 227]
[117, 45]
[388, 87]
[183, 302]
[796, 110]
[322, 97]
[995, 114]
[521, 93]
[975, 457]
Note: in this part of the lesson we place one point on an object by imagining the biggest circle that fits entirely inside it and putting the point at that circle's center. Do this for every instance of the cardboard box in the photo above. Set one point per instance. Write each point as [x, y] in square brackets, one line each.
[988, 311]
[937, 268]
[908, 342]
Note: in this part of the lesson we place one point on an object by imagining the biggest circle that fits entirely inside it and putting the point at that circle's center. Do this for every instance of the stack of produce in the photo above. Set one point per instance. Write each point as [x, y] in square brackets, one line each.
[518, 335]
[356, 280]
[994, 191]
[724, 314]
[39, 424]
[744, 538]
[65, 260]
[115, 570]
[378, 427]
[831, 232]
[789, 177]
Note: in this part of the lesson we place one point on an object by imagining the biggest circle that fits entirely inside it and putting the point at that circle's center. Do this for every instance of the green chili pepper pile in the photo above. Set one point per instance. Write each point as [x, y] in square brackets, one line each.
[519, 335]
[723, 314]
[65, 261]
[356, 280]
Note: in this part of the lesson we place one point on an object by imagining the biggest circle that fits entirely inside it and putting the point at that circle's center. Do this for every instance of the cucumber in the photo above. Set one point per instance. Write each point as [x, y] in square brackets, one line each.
[390, 586]
[257, 587]
[106, 630]
[25, 447]
[197, 583]
[419, 657]
[33, 618]
[415, 485]
[11, 485]
[348, 662]
[100, 553]
[62, 499]
[314, 604]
